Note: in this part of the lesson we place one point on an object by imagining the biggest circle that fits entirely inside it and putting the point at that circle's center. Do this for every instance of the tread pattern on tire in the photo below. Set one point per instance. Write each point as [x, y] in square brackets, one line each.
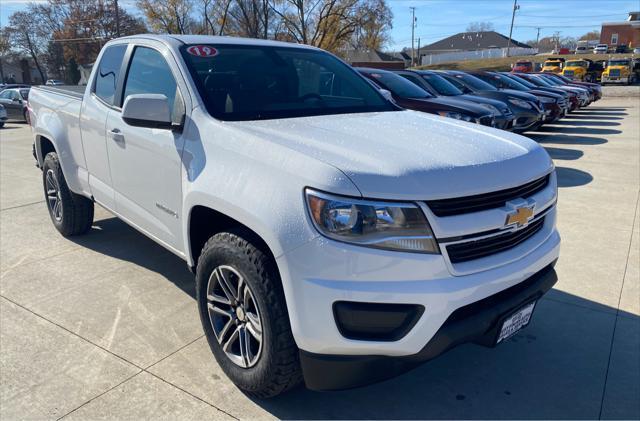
[77, 216]
[285, 368]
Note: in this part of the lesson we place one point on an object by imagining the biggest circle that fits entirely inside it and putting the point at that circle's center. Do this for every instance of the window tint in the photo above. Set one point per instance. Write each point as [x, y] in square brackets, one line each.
[149, 73]
[6, 95]
[108, 71]
[442, 85]
[398, 85]
[474, 83]
[247, 82]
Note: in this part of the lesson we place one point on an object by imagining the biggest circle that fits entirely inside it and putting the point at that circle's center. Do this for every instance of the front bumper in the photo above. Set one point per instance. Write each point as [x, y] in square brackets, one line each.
[527, 119]
[322, 272]
[478, 322]
[615, 79]
[505, 122]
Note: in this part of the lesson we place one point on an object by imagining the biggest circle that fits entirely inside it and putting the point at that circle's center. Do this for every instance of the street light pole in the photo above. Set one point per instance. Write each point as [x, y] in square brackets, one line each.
[413, 27]
[117, 18]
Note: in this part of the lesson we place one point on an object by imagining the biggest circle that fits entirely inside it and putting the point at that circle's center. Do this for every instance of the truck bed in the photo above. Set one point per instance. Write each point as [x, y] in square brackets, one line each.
[75, 91]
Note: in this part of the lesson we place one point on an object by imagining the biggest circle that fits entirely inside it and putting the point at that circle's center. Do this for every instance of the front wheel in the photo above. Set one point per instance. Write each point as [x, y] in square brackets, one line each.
[244, 315]
[70, 213]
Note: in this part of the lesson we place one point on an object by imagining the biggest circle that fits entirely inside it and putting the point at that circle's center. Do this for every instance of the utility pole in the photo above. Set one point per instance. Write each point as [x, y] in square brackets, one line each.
[419, 61]
[513, 16]
[413, 27]
[117, 19]
[538, 38]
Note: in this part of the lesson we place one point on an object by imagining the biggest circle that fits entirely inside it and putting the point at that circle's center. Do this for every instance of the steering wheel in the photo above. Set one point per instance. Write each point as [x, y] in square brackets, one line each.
[313, 95]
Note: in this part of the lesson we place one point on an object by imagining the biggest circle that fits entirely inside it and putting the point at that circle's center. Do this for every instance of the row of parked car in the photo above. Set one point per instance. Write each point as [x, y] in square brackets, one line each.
[516, 102]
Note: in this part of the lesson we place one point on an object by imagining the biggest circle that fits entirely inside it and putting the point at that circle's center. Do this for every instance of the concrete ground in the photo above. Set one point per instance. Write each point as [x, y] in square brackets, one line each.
[105, 326]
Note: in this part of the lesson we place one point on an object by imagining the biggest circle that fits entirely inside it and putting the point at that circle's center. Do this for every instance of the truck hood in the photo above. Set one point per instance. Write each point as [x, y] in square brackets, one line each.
[408, 154]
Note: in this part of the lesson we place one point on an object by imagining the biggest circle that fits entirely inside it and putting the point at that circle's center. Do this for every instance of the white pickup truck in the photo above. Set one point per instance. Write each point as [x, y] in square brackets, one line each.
[335, 237]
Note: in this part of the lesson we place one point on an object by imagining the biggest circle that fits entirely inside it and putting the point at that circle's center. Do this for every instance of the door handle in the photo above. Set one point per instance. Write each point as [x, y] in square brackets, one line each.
[116, 135]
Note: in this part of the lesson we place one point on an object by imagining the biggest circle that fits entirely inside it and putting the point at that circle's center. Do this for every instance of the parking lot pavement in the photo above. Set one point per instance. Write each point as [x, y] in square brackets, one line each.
[105, 325]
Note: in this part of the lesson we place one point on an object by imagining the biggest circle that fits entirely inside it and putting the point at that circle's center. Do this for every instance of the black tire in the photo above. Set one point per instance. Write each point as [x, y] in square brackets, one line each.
[277, 368]
[75, 214]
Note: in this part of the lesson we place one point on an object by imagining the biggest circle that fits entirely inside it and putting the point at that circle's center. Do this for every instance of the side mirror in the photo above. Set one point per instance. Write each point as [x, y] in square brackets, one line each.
[18, 100]
[147, 110]
[387, 94]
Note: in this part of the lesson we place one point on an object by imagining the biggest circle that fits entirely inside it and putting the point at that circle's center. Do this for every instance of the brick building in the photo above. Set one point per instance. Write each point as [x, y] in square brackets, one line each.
[622, 33]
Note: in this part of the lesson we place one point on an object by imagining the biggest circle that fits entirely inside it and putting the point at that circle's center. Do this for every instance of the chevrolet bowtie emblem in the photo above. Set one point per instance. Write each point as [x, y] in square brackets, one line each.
[519, 212]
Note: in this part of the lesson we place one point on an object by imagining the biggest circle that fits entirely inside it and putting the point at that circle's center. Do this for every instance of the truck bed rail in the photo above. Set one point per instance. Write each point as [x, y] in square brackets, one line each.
[74, 91]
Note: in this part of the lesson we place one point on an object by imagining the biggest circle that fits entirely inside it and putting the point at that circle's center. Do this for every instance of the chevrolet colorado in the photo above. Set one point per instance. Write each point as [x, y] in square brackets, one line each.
[335, 237]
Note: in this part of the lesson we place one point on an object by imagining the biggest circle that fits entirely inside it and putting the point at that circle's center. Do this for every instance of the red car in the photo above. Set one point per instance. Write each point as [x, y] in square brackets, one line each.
[522, 66]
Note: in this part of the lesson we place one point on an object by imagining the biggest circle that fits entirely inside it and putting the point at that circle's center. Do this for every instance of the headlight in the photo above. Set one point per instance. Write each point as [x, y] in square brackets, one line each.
[457, 116]
[491, 108]
[547, 100]
[520, 103]
[382, 225]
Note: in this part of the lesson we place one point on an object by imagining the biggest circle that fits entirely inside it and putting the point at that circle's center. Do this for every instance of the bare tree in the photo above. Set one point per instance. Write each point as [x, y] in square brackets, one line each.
[25, 34]
[171, 16]
[250, 18]
[480, 27]
[375, 22]
[591, 36]
[328, 24]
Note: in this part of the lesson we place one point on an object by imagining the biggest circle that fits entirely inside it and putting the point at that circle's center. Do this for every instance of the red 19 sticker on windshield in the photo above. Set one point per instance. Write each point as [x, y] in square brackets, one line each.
[202, 51]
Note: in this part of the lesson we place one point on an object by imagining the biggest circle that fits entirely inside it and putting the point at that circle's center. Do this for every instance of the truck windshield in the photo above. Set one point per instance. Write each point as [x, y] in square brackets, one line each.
[576, 64]
[441, 85]
[618, 63]
[248, 82]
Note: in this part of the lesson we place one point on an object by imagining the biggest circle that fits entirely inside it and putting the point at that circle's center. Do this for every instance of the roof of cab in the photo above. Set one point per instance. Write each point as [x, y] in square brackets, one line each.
[178, 40]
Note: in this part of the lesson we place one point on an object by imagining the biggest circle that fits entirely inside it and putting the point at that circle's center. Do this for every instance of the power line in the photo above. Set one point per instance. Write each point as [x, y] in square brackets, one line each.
[577, 17]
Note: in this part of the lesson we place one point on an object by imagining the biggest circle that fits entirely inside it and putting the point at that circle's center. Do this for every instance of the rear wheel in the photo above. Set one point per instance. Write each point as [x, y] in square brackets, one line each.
[244, 315]
[70, 213]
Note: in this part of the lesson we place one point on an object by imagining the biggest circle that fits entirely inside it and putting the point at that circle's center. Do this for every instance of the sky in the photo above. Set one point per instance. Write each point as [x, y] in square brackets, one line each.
[437, 19]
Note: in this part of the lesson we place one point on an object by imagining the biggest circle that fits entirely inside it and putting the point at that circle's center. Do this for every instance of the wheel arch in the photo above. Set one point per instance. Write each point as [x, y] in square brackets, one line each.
[204, 221]
[44, 145]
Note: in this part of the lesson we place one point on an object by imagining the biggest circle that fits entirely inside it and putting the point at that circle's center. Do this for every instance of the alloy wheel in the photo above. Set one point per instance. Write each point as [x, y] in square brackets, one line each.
[234, 316]
[53, 195]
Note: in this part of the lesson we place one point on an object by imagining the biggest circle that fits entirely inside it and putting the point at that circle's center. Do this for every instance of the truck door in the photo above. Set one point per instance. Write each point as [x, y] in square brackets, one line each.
[146, 165]
[93, 117]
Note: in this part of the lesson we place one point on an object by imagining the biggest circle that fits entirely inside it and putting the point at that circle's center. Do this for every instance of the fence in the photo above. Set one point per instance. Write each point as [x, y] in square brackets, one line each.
[475, 55]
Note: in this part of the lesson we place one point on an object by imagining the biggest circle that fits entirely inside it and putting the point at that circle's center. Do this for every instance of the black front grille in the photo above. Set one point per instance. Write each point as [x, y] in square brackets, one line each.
[480, 202]
[487, 121]
[477, 249]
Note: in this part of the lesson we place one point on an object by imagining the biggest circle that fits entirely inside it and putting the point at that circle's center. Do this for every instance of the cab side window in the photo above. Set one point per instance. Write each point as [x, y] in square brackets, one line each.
[6, 95]
[149, 73]
[107, 74]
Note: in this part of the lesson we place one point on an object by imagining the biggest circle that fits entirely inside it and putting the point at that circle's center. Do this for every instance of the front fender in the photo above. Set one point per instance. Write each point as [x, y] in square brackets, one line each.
[254, 181]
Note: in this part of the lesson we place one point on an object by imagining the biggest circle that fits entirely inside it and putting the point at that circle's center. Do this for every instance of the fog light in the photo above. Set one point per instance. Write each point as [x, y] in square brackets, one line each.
[375, 321]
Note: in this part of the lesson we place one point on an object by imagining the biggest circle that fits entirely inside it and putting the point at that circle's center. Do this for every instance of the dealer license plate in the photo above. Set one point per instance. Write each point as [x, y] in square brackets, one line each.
[515, 322]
